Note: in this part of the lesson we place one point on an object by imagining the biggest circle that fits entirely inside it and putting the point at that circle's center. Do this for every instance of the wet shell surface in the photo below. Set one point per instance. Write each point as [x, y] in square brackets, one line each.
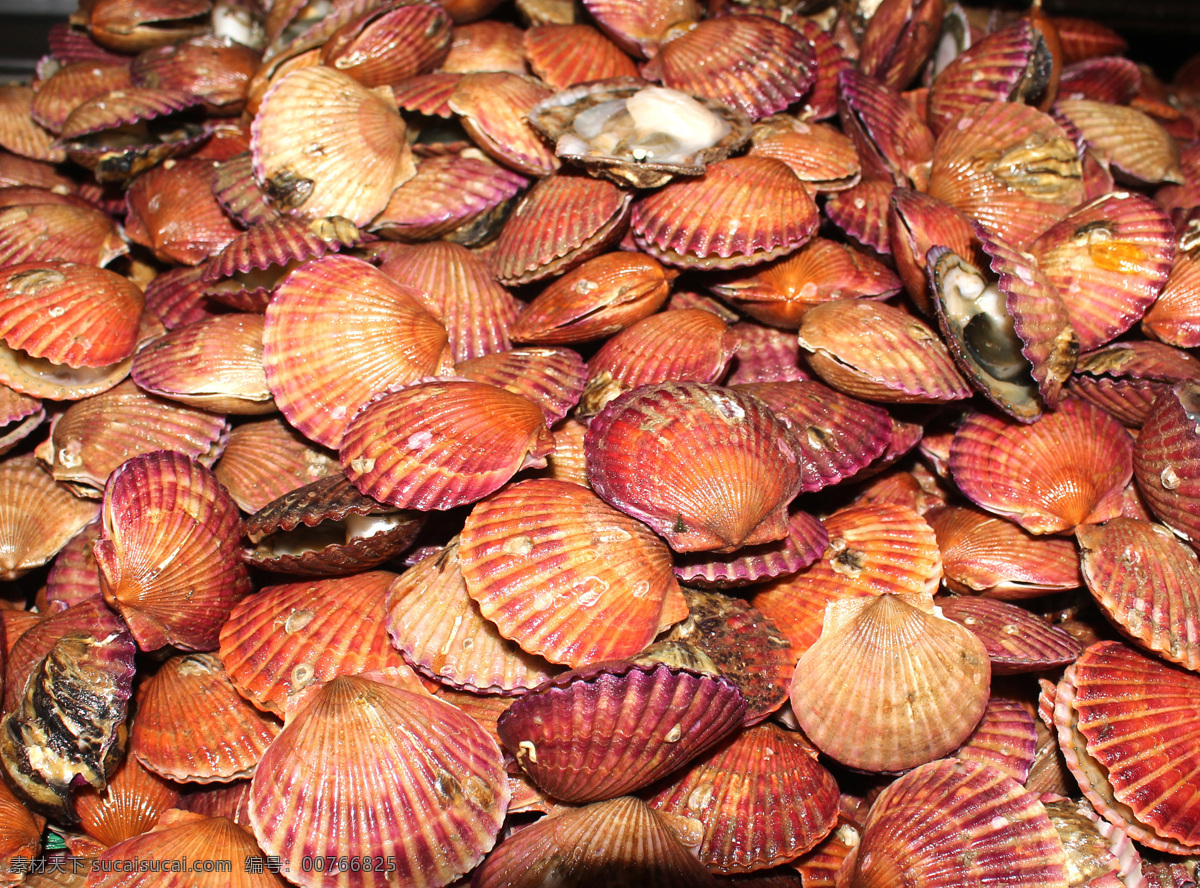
[565, 575]
[616, 728]
[714, 499]
[1016, 640]
[433, 776]
[1068, 468]
[437, 445]
[1166, 460]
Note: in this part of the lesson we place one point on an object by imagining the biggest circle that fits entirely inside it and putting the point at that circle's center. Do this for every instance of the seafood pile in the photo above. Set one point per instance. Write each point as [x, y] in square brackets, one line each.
[604, 443]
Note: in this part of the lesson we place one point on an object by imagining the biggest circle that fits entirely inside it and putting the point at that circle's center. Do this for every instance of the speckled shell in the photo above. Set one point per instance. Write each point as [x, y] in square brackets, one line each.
[1166, 460]
[714, 220]
[363, 154]
[337, 332]
[890, 685]
[953, 824]
[168, 556]
[288, 637]
[434, 622]
[614, 729]
[1017, 641]
[437, 445]
[1067, 468]
[732, 489]
[434, 776]
[762, 796]
[750, 63]
[188, 692]
[1148, 583]
[565, 575]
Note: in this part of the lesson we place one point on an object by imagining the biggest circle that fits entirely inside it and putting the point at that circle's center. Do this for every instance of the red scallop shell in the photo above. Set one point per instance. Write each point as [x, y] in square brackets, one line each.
[1005, 739]
[1166, 460]
[72, 85]
[615, 728]
[823, 158]
[1126, 378]
[704, 466]
[566, 55]
[765, 354]
[494, 107]
[861, 212]
[267, 458]
[171, 209]
[1174, 318]
[892, 139]
[1016, 640]
[805, 541]
[552, 378]
[129, 805]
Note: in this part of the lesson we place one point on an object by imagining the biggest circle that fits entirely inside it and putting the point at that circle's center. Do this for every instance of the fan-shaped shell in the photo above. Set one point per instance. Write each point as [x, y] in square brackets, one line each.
[172, 210]
[1006, 738]
[1166, 459]
[567, 576]
[552, 378]
[37, 516]
[266, 459]
[493, 107]
[614, 729]
[1135, 143]
[1016, 640]
[1174, 318]
[168, 556]
[564, 55]
[376, 771]
[128, 806]
[704, 466]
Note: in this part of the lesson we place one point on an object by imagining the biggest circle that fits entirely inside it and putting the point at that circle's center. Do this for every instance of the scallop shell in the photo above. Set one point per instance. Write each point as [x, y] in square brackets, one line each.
[1148, 583]
[1108, 260]
[49, 232]
[762, 797]
[714, 220]
[216, 68]
[494, 107]
[168, 556]
[433, 621]
[337, 332]
[1174, 318]
[171, 210]
[893, 141]
[1165, 460]
[129, 804]
[805, 541]
[889, 685]
[1108, 79]
[622, 841]
[916, 223]
[19, 132]
[73, 576]
[288, 637]
[72, 85]
[1126, 378]
[566, 576]
[821, 101]
[1066, 469]
[952, 823]
[486, 45]
[348, 166]
[765, 354]
[638, 26]
[437, 445]
[37, 516]
[820, 156]
[611, 730]
[565, 55]
[1005, 739]
[428, 94]
[552, 378]
[1016, 640]
[872, 549]
[434, 777]
[861, 212]
[1085, 39]
[731, 490]
[1134, 142]
[387, 45]
[750, 63]
[898, 39]
[267, 458]
[177, 297]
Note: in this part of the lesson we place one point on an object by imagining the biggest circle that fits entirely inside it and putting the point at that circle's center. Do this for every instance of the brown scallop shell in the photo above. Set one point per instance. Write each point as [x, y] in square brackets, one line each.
[1010, 167]
[597, 299]
[780, 292]
[37, 516]
[348, 166]
[286, 638]
[621, 841]
[878, 352]
[171, 209]
[1108, 260]
[714, 220]
[1126, 724]
[441, 444]
[19, 132]
[327, 528]
[750, 63]
[168, 556]
[1016, 640]
[1148, 583]
[72, 85]
[189, 691]
[1174, 318]
[731, 489]
[615, 728]
[1005, 739]
[566, 55]
[566, 576]
[958, 823]
[1166, 460]
[1136, 144]
[69, 314]
[338, 331]
[889, 685]
[762, 796]
[458, 289]
[563, 220]
[493, 108]
[989, 556]
[438, 627]
[432, 774]
[389, 43]
[128, 806]
[1066, 469]
[97, 434]
[872, 549]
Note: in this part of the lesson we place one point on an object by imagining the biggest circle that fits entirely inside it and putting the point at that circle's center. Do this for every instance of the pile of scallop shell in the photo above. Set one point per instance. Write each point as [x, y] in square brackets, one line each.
[625, 442]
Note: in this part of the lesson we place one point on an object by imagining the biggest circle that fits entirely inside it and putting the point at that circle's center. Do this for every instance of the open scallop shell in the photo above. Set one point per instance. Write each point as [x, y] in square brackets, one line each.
[889, 685]
[565, 575]
[433, 776]
[168, 556]
[613, 729]
[1067, 468]
[704, 466]
[762, 797]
